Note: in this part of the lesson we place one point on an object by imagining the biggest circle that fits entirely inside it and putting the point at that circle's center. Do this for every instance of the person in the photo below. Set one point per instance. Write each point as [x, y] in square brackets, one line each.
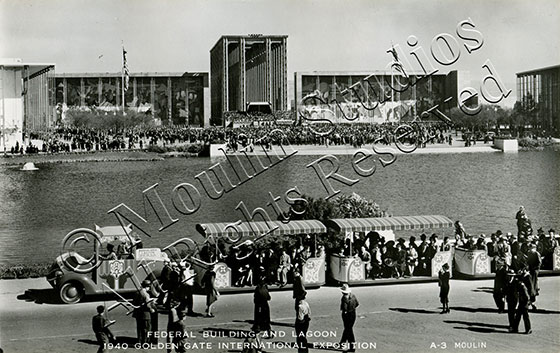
[100, 327]
[365, 256]
[443, 277]
[445, 245]
[143, 312]
[512, 298]
[411, 259]
[298, 288]
[180, 334]
[283, 268]
[261, 297]
[523, 306]
[534, 262]
[302, 324]
[519, 217]
[111, 255]
[499, 287]
[210, 290]
[348, 305]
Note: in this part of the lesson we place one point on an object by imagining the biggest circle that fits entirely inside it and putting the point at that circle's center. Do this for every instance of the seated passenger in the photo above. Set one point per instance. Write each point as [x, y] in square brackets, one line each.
[111, 255]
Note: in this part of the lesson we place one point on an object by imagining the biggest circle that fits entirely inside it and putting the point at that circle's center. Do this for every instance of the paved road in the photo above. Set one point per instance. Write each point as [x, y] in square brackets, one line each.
[395, 318]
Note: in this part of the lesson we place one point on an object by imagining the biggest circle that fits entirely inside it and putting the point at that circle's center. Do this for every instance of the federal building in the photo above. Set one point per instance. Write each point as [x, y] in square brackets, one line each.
[540, 87]
[245, 69]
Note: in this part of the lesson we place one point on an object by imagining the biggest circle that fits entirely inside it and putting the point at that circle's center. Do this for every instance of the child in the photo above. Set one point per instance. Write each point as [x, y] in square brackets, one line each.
[444, 287]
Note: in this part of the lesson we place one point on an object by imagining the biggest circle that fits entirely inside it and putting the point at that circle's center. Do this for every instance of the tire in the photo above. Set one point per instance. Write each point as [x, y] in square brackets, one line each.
[71, 292]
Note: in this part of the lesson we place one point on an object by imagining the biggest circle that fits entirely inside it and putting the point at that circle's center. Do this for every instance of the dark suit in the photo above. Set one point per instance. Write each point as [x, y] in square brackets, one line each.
[523, 307]
[262, 310]
[348, 305]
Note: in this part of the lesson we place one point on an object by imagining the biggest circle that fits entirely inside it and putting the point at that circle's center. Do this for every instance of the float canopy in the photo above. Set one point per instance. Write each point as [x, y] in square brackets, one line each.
[257, 228]
[389, 223]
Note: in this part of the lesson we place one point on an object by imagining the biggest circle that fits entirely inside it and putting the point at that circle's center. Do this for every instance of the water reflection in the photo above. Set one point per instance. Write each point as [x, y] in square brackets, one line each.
[482, 190]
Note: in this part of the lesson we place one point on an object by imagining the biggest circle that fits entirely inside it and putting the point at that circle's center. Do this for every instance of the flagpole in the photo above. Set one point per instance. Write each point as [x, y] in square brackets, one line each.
[122, 77]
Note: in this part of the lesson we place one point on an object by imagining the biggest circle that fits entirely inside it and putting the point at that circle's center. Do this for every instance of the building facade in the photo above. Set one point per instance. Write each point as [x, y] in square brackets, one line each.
[246, 69]
[357, 97]
[26, 100]
[170, 98]
[539, 89]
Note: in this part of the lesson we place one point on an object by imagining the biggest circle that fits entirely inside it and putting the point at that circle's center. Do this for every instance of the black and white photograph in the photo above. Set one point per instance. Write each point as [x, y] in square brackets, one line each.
[257, 176]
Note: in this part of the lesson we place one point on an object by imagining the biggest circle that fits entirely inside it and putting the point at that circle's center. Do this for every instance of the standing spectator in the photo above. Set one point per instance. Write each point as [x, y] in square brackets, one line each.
[523, 306]
[143, 312]
[302, 325]
[444, 287]
[411, 259]
[500, 281]
[519, 217]
[100, 327]
[534, 262]
[210, 289]
[512, 297]
[348, 305]
[298, 288]
[262, 310]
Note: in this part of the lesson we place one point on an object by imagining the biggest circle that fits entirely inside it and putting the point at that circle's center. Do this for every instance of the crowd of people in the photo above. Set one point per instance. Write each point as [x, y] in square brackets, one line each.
[66, 139]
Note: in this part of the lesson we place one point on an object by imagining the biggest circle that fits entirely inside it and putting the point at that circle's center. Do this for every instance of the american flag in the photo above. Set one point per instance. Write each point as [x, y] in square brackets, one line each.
[125, 71]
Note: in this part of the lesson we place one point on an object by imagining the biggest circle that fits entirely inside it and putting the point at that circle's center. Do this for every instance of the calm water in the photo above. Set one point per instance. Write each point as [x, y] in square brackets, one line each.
[483, 190]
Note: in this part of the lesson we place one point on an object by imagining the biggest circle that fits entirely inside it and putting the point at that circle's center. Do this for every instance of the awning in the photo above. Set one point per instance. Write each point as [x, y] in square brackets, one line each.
[386, 223]
[258, 228]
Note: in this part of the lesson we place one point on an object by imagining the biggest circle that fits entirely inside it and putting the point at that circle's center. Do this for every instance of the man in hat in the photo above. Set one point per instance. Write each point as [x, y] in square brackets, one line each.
[499, 287]
[422, 256]
[302, 324]
[261, 297]
[534, 262]
[143, 312]
[523, 307]
[348, 305]
[512, 297]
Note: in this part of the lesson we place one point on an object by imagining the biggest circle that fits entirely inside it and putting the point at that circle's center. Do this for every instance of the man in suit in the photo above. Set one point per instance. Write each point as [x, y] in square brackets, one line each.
[348, 305]
[283, 268]
[534, 261]
[523, 307]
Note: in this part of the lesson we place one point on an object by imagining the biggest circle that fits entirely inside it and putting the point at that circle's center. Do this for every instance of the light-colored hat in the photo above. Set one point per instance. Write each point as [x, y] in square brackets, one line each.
[345, 289]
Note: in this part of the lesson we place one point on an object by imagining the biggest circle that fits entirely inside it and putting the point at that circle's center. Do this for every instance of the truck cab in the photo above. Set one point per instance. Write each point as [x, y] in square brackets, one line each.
[121, 273]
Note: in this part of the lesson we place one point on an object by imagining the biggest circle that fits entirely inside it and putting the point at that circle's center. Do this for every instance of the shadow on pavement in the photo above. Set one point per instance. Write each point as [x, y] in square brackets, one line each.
[40, 296]
[416, 311]
[484, 290]
[272, 323]
[474, 310]
[479, 327]
[50, 296]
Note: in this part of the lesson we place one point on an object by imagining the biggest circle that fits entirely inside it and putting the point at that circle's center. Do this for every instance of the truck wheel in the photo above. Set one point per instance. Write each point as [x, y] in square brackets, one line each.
[71, 292]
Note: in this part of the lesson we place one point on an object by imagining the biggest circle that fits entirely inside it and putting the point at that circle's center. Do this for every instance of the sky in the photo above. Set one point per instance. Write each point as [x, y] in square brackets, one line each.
[325, 35]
